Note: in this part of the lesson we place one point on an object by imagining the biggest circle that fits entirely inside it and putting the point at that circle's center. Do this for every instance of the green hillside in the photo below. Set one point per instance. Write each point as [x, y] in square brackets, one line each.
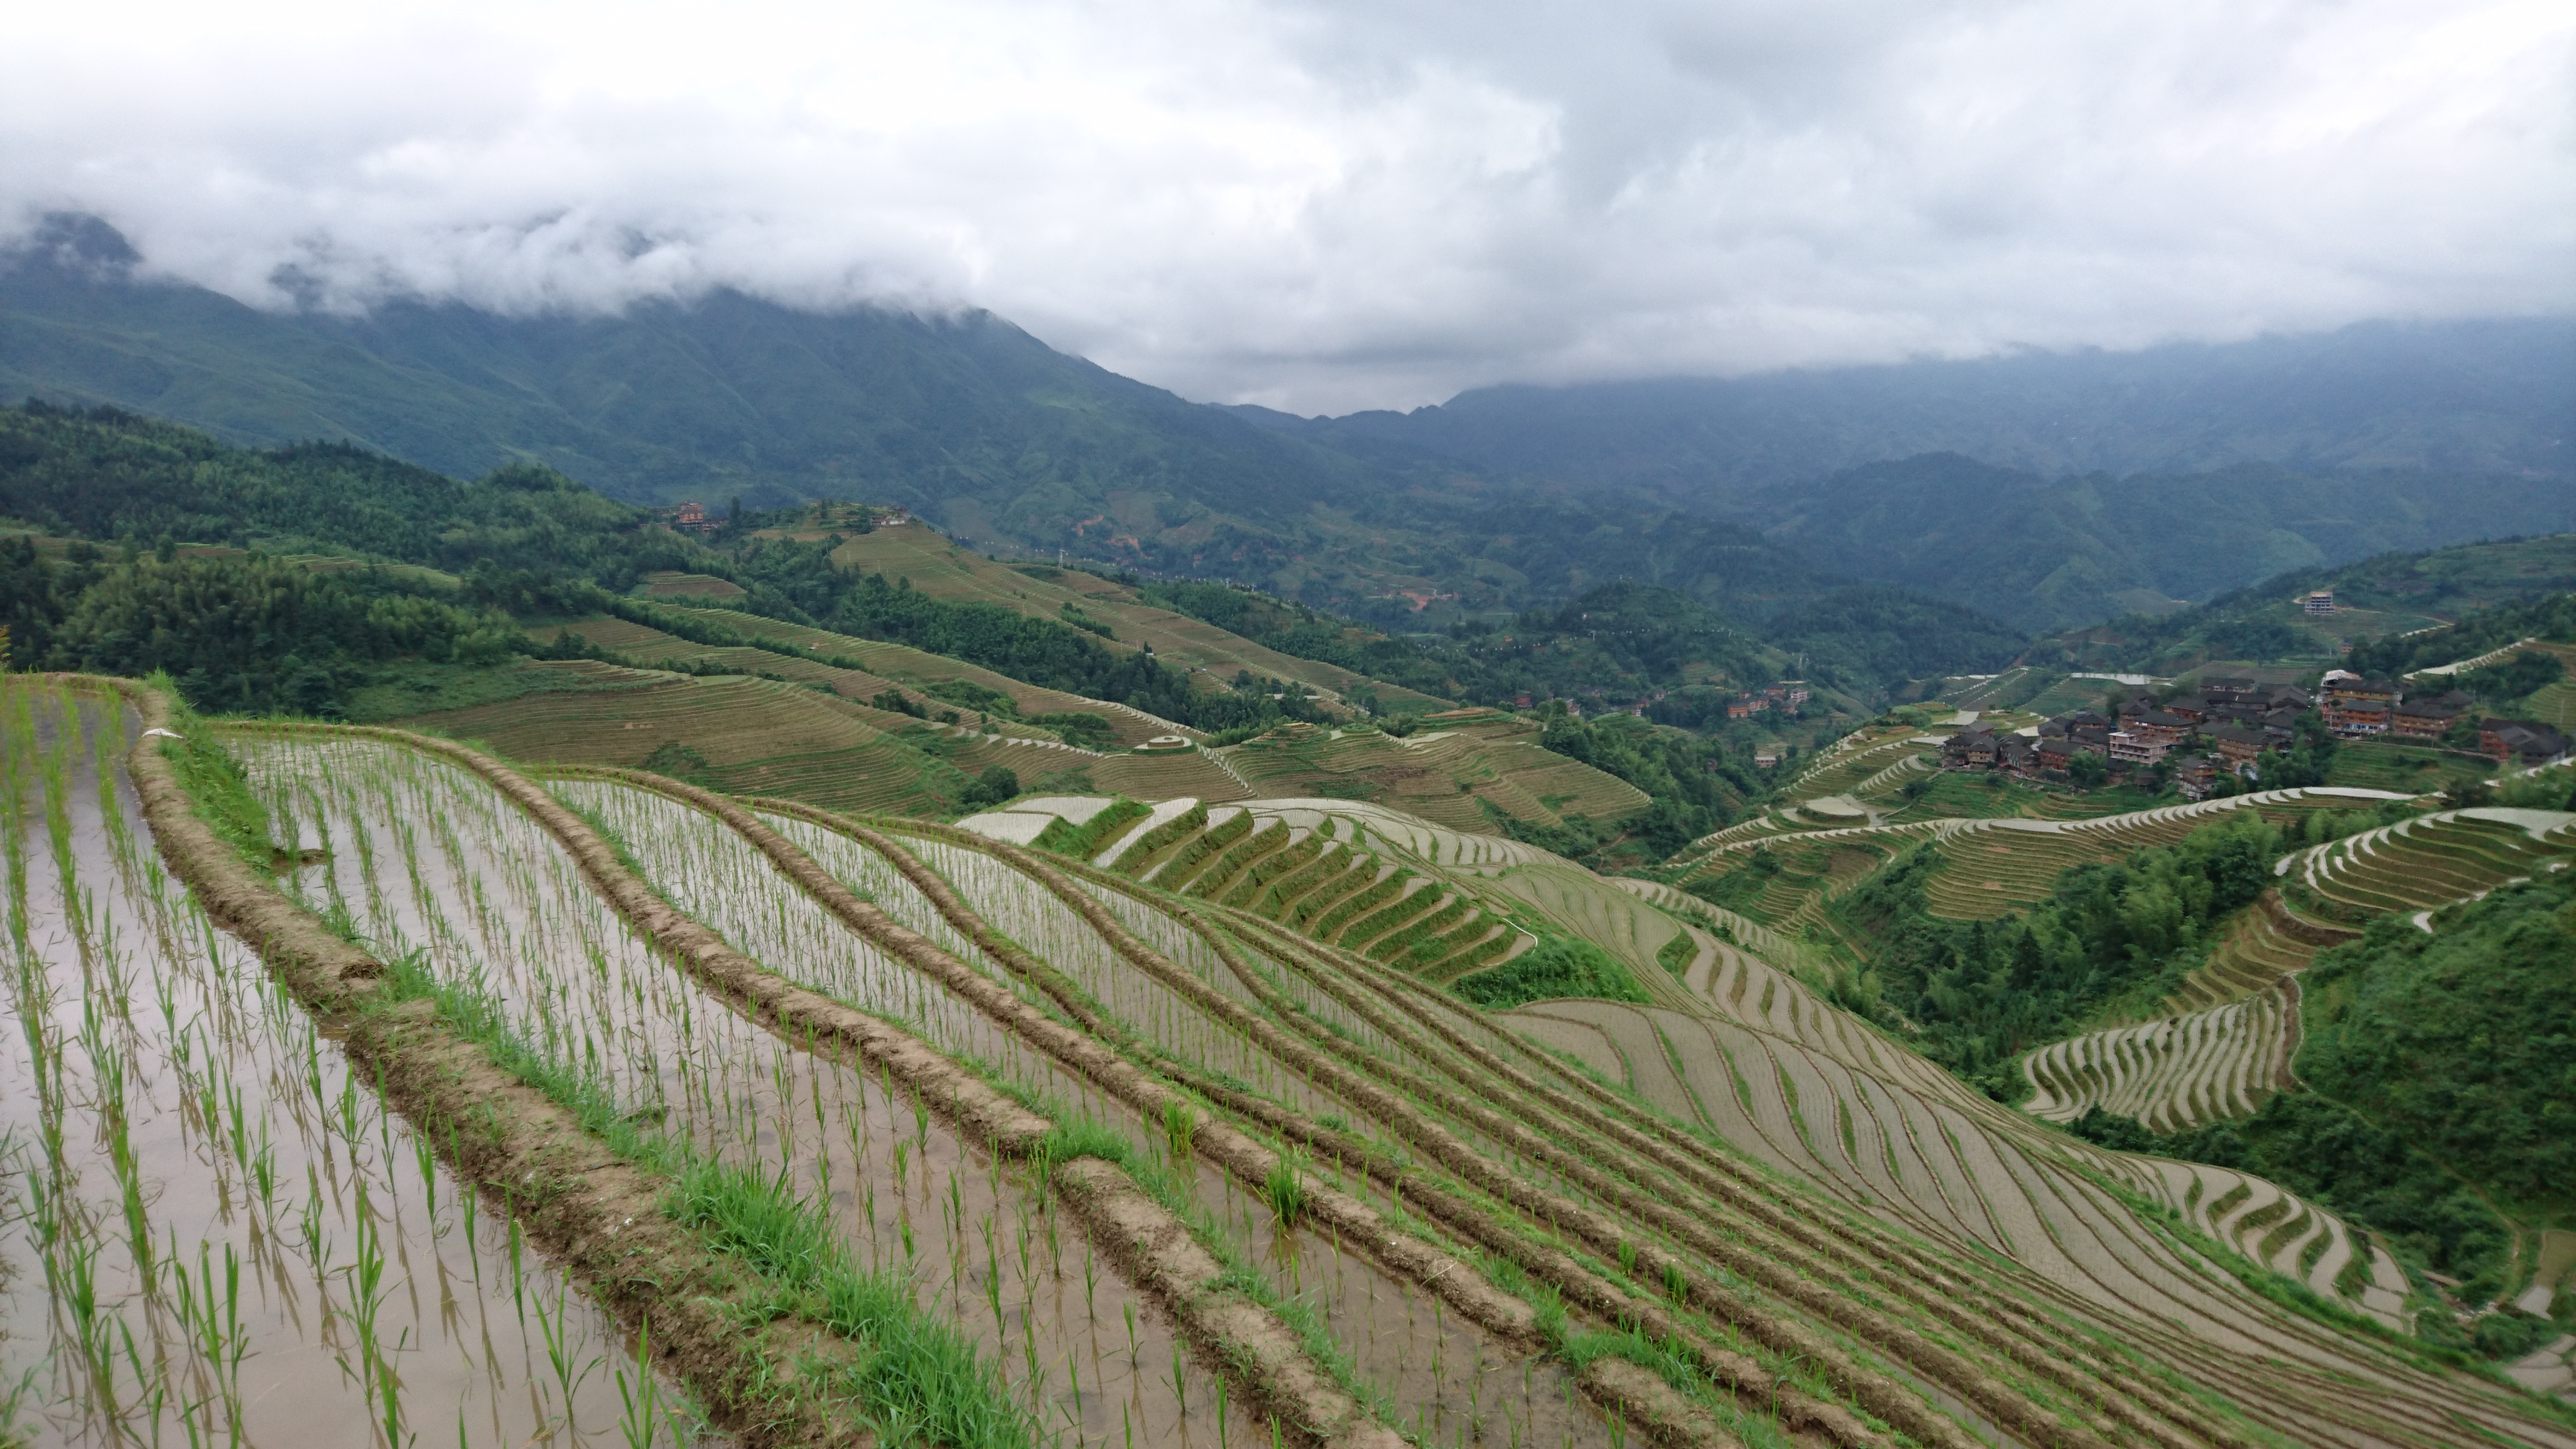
[1004, 442]
[727, 396]
[968, 420]
[2485, 396]
[2376, 598]
[2048, 554]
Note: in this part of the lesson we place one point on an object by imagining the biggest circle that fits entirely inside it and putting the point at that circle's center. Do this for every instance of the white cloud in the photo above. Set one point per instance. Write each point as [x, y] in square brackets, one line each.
[1333, 206]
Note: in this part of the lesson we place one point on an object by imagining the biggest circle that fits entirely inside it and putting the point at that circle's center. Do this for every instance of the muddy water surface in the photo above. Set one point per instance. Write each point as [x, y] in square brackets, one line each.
[215, 1234]
[427, 857]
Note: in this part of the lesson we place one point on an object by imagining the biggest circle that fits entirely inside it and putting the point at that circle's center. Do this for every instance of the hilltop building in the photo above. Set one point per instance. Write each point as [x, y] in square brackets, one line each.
[2133, 749]
[1972, 748]
[2156, 726]
[2235, 745]
[2521, 741]
[2358, 717]
[2422, 719]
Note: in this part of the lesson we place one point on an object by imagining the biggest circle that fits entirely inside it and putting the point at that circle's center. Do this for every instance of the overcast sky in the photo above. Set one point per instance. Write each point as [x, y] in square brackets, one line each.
[1327, 207]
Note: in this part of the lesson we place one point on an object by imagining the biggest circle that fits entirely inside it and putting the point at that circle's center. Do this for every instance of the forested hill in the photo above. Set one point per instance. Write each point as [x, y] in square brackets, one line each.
[1761, 498]
[1628, 641]
[283, 580]
[2430, 606]
[728, 395]
[2050, 553]
[978, 426]
[526, 539]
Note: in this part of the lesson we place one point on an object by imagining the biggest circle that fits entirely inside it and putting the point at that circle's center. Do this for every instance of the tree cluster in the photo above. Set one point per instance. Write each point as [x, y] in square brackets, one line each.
[2473, 634]
[2441, 1083]
[240, 633]
[1980, 993]
[1696, 784]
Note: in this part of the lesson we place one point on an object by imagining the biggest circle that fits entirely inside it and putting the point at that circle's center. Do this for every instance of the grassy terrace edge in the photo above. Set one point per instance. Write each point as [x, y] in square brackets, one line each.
[512, 1132]
[1490, 1292]
[1268, 1359]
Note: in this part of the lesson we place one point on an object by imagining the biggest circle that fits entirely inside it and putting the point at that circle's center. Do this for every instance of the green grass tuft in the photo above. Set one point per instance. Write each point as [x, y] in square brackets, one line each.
[216, 785]
[1285, 1191]
[1558, 966]
[921, 1383]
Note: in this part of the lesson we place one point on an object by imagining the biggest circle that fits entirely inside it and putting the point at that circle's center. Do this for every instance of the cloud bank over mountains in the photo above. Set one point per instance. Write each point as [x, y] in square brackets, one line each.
[1325, 207]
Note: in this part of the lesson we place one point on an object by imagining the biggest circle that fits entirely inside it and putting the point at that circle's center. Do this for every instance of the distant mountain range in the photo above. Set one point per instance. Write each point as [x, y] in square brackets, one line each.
[1759, 495]
[2050, 553]
[2452, 397]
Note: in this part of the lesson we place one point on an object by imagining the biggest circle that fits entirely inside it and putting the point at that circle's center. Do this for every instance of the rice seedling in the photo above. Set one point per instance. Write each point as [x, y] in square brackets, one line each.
[547, 960]
[641, 1423]
[1286, 1191]
[161, 1097]
[886, 887]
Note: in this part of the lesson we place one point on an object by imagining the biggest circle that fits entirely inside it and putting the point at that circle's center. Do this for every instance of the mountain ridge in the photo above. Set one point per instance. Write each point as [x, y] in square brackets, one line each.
[2480, 395]
[1014, 447]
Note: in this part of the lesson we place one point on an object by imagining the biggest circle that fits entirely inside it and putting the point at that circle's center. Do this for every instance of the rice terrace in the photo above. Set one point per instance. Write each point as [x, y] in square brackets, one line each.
[490, 961]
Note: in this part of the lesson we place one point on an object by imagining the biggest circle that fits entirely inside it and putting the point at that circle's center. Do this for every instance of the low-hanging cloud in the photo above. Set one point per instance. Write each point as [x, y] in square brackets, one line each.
[1325, 207]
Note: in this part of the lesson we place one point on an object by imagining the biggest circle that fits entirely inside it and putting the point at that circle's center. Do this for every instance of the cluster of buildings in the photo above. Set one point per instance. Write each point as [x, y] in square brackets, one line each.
[2358, 708]
[2226, 724]
[2522, 741]
[1787, 694]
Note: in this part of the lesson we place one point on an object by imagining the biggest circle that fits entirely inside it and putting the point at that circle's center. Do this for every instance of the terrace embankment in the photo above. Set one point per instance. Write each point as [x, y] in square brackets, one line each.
[1754, 1384]
[1780, 1331]
[1266, 1359]
[1519, 1175]
[178, 1131]
[2084, 1358]
[2192, 1066]
[1849, 1110]
[1523, 1097]
[1351, 1222]
[1427, 1363]
[2125, 1274]
[422, 850]
[597, 1213]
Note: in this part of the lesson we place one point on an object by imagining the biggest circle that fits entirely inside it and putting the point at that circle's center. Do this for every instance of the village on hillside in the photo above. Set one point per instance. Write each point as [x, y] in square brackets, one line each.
[2215, 739]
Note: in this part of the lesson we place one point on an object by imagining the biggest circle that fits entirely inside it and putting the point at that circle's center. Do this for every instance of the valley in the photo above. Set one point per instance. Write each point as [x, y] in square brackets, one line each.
[794, 976]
